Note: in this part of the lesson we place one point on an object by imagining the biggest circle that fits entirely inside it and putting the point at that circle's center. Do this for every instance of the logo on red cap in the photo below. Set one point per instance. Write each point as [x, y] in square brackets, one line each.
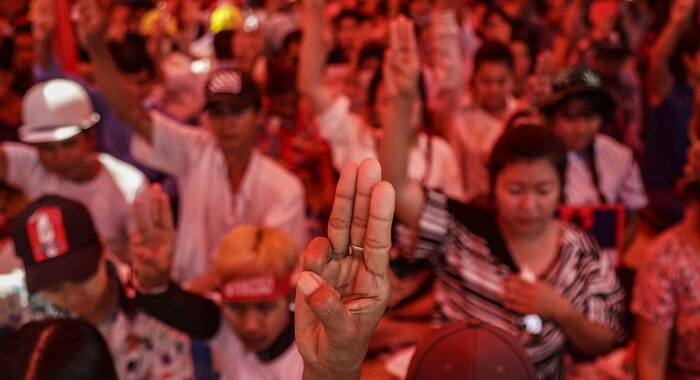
[256, 288]
[47, 236]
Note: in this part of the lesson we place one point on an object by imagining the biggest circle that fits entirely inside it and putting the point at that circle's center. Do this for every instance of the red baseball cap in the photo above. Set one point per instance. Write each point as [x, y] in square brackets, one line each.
[471, 351]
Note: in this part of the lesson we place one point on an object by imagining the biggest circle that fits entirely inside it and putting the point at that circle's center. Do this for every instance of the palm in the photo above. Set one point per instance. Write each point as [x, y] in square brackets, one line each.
[361, 216]
[402, 66]
[152, 243]
[91, 23]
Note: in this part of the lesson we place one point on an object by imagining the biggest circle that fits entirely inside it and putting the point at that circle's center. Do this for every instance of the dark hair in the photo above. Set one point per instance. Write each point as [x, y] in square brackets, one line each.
[281, 78]
[358, 16]
[527, 143]
[223, 49]
[291, 37]
[369, 51]
[131, 56]
[56, 349]
[688, 44]
[492, 51]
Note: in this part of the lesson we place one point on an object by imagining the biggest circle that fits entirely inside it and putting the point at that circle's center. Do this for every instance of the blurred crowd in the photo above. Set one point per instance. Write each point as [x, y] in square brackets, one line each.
[164, 164]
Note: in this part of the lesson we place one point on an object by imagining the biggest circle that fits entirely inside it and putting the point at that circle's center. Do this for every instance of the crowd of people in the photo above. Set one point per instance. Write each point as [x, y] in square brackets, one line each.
[290, 189]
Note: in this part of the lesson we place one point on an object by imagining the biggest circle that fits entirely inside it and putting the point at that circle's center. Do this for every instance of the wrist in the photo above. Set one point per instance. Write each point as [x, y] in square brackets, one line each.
[311, 373]
[149, 287]
[564, 312]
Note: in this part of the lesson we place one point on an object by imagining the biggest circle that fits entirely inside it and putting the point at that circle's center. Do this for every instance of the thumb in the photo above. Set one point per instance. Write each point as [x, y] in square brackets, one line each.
[325, 303]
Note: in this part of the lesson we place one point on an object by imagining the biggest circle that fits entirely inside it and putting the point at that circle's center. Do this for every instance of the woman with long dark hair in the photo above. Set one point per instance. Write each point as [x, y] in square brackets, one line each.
[56, 349]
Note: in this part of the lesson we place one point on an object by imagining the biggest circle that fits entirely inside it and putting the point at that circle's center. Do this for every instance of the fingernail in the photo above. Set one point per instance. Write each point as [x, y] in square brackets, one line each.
[307, 283]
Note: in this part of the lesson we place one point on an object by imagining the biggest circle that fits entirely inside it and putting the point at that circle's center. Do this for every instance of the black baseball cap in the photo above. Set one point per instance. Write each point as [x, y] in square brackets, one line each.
[234, 88]
[57, 242]
[574, 82]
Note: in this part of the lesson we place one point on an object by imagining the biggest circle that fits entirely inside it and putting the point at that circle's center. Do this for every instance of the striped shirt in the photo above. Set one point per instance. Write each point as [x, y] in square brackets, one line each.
[618, 178]
[470, 276]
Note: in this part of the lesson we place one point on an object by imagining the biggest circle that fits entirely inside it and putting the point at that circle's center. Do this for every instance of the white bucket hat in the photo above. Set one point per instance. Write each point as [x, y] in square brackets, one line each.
[55, 110]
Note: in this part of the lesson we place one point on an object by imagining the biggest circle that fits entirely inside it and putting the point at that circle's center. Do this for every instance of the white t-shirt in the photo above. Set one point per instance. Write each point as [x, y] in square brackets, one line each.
[269, 195]
[473, 135]
[431, 161]
[108, 196]
[619, 179]
[236, 362]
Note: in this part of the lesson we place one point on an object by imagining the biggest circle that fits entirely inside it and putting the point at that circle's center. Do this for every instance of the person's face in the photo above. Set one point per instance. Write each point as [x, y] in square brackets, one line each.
[382, 108]
[248, 45]
[527, 194]
[576, 124]
[82, 298]
[346, 33]
[603, 15]
[493, 83]
[72, 159]
[23, 51]
[692, 65]
[6, 79]
[233, 128]
[419, 8]
[284, 105]
[522, 59]
[258, 324]
[496, 28]
[139, 85]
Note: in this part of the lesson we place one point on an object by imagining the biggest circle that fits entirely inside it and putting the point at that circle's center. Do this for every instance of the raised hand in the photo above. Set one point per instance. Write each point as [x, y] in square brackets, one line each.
[90, 18]
[151, 245]
[681, 12]
[402, 65]
[344, 288]
[43, 17]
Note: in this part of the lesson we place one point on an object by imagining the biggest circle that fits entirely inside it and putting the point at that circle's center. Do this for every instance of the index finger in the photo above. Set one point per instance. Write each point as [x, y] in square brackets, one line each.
[141, 217]
[341, 214]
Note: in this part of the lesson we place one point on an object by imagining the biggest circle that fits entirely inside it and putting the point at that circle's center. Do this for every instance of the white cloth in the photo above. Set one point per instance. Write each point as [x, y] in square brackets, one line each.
[239, 363]
[268, 195]
[108, 197]
[619, 178]
[431, 161]
[473, 135]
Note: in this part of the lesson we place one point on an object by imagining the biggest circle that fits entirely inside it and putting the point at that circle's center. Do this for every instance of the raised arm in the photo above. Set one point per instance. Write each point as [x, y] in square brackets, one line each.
[312, 57]
[150, 254]
[401, 69]
[43, 27]
[659, 79]
[91, 20]
[448, 65]
[344, 289]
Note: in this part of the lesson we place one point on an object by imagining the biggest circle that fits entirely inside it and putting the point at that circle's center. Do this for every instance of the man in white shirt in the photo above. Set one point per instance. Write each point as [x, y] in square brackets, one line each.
[479, 123]
[223, 180]
[61, 159]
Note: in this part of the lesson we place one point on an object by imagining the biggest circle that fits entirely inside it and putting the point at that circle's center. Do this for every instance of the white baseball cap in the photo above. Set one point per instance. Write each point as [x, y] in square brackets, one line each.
[55, 110]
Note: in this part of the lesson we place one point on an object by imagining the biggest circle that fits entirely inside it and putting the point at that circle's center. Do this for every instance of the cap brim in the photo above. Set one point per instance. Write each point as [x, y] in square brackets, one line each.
[558, 98]
[236, 102]
[36, 135]
[75, 266]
